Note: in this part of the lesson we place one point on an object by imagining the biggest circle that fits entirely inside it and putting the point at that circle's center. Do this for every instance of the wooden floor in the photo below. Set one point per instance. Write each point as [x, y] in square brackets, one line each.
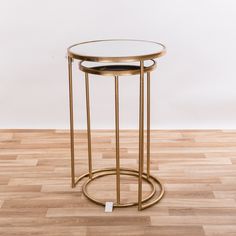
[198, 169]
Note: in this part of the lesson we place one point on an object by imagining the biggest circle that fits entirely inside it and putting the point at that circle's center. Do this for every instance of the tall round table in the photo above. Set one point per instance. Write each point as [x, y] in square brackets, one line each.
[117, 57]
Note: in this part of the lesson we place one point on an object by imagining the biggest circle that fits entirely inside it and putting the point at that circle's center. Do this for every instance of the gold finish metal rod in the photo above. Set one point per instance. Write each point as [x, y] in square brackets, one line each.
[88, 125]
[117, 140]
[152, 183]
[134, 58]
[146, 202]
[141, 134]
[71, 123]
[131, 70]
[148, 124]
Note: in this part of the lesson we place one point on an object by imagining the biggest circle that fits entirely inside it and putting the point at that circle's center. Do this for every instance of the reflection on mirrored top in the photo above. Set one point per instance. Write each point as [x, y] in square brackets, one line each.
[116, 50]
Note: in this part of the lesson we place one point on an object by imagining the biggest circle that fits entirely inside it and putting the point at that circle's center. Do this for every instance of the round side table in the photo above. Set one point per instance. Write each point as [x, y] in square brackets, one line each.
[117, 57]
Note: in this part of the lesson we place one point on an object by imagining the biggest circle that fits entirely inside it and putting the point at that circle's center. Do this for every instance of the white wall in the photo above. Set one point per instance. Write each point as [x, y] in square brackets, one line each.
[194, 86]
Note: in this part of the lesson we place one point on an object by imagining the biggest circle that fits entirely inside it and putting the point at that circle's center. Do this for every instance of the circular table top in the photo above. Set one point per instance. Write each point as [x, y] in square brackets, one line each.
[116, 50]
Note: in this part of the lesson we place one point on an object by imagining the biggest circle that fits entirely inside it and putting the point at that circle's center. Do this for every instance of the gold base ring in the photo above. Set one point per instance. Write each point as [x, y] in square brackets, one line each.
[150, 200]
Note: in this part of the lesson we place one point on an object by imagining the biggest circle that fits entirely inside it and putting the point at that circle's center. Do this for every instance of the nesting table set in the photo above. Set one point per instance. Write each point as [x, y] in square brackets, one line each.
[115, 58]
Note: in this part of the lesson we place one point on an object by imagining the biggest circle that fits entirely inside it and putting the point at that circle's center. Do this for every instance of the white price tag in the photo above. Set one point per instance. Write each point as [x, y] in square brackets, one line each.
[109, 207]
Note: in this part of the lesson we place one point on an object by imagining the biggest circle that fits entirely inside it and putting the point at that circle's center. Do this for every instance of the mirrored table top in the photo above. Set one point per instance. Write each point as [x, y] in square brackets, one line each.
[116, 50]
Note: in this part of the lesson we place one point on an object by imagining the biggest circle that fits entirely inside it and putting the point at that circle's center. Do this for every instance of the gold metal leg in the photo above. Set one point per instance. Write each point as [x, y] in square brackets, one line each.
[71, 122]
[117, 140]
[141, 134]
[148, 124]
[88, 125]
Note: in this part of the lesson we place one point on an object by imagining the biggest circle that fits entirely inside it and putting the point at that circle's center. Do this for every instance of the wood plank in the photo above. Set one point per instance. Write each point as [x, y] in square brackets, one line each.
[219, 230]
[175, 230]
[192, 220]
[44, 231]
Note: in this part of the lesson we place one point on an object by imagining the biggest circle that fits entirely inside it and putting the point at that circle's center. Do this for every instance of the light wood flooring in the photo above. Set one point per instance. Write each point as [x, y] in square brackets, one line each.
[198, 169]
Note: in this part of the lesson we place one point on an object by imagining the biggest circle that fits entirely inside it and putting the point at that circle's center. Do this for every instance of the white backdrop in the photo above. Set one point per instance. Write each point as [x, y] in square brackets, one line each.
[193, 87]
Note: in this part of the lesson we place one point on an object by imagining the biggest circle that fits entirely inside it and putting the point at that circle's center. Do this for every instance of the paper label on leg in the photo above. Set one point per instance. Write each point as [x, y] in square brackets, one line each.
[109, 207]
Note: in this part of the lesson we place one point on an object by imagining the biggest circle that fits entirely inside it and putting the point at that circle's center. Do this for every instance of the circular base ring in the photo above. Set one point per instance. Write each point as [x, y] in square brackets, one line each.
[151, 180]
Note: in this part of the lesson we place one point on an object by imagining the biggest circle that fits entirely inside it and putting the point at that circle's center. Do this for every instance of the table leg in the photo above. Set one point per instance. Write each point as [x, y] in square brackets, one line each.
[141, 134]
[88, 125]
[117, 139]
[148, 124]
[71, 122]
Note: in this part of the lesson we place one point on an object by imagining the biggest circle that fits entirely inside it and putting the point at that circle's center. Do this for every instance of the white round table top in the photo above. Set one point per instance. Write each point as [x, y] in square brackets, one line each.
[116, 50]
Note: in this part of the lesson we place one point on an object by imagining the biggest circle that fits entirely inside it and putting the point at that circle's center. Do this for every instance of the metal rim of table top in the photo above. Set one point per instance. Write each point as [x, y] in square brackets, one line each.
[116, 59]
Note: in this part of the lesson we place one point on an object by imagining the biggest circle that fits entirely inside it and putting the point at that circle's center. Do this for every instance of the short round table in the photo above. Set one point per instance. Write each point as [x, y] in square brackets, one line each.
[117, 57]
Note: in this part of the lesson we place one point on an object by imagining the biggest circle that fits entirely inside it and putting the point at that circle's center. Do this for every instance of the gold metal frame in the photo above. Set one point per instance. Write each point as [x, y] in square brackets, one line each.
[155, 196]
[116, 59]
[152, 181]
[106, 70]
